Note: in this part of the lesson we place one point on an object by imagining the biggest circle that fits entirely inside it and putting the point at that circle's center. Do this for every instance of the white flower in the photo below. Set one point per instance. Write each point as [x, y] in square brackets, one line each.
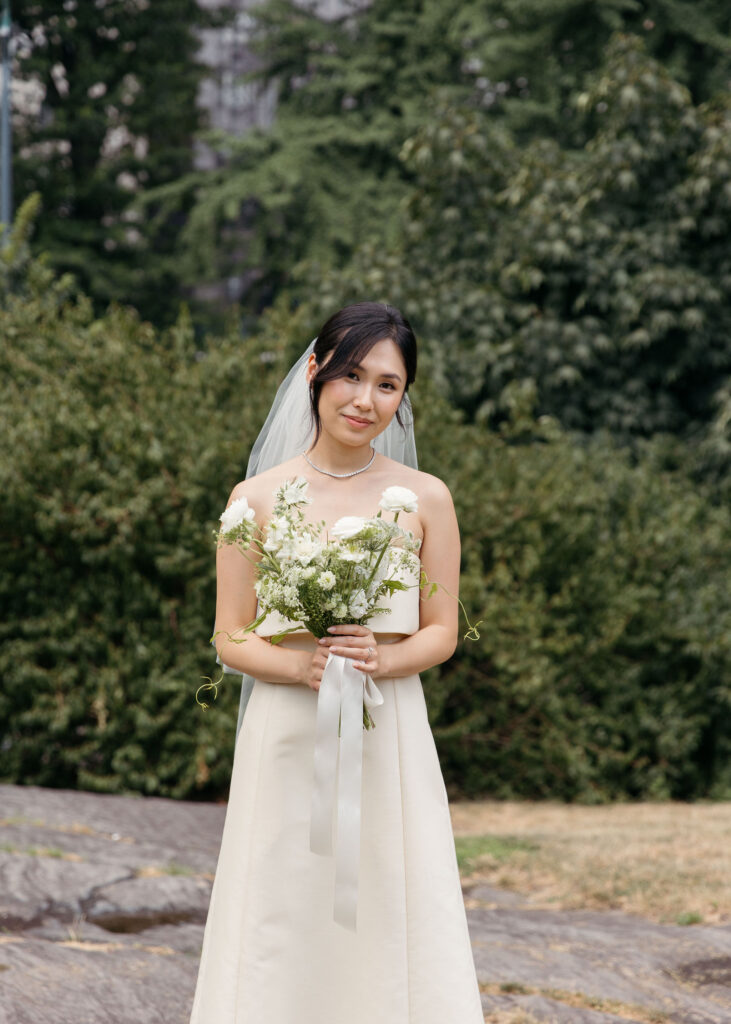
[277, 532]
[327, 580]
[292, 492]
[349, 555]
[348, 527]
[306, 548]
[237, 513]
[399, 499]
[358, 604]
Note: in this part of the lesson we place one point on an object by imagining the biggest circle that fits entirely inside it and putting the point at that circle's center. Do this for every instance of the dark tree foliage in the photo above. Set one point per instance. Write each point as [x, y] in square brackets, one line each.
[352, 89]
[599, 274]
[108, 110]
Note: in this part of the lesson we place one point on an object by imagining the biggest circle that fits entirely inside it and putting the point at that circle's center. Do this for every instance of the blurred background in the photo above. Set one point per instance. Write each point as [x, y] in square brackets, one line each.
[190, 189]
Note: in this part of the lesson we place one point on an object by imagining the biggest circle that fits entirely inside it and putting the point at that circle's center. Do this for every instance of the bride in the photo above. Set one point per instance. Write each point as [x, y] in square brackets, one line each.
[273, 950]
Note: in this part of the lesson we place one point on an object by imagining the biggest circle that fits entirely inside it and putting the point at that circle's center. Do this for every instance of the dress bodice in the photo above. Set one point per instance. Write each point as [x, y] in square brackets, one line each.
[402, 615]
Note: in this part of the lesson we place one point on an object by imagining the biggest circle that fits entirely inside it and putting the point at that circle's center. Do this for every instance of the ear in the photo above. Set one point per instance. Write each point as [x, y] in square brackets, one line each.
[311, 367]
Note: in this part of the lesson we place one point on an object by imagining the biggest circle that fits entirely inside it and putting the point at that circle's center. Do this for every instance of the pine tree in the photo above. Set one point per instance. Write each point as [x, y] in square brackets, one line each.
[108, 111]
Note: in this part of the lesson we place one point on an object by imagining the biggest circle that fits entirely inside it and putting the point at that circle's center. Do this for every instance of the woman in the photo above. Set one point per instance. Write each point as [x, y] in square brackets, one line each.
[272, 951]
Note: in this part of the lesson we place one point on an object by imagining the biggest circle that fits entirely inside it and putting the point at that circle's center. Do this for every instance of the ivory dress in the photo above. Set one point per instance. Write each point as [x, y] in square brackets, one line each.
[272, 952]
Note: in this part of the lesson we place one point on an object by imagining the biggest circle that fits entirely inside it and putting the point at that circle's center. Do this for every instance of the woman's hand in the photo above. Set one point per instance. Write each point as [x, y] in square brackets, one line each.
[312, 676]
[352, 641]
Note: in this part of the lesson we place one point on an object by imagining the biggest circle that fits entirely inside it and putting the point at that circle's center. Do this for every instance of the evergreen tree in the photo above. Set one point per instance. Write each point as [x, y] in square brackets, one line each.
[108, 110]
[354, 88]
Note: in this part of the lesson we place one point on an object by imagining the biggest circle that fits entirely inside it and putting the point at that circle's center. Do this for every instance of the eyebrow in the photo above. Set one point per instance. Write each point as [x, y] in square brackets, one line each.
[390, 376]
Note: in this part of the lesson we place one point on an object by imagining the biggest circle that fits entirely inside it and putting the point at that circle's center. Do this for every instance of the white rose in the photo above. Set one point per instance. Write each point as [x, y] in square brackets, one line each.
[348, 527]
[399, 499]
[237, 513]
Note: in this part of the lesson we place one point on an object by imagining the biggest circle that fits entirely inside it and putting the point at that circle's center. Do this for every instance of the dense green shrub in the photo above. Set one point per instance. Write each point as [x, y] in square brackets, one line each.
[604, 664]
[120, 448]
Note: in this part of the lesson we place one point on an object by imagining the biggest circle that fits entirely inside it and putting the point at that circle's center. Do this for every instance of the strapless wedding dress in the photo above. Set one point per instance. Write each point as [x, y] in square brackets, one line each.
[272, 952]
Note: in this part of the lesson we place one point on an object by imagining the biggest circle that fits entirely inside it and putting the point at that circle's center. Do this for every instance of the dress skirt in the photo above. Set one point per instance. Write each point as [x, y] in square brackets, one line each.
[272, 953]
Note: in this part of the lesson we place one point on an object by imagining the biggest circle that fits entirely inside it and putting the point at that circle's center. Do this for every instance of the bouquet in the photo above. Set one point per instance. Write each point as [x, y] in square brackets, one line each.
[316, 580]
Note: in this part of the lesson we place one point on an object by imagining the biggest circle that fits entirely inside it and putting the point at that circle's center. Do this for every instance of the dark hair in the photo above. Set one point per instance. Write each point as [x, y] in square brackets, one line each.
[349, 335]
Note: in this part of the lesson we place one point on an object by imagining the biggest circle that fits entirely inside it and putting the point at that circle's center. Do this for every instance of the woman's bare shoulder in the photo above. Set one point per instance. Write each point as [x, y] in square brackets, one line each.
[259, 489]
[425, 485]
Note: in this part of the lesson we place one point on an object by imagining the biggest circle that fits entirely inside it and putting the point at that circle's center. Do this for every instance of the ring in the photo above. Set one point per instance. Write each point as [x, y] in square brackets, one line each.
[370, 653]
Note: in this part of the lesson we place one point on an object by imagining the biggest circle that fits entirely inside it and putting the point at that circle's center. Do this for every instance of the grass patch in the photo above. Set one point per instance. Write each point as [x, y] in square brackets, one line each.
[689, 917]
[515, 988]
[174, 868]
[511, 1016]
[628, 1011]
[156, 870]
[666, 861]
[474, 851]
[40, 851]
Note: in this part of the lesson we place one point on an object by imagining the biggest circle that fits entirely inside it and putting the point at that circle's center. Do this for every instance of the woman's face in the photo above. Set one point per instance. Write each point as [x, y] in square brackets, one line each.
[357, 407]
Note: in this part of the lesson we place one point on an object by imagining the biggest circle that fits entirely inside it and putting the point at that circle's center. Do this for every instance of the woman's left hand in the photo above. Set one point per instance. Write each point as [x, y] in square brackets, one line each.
[356, 642]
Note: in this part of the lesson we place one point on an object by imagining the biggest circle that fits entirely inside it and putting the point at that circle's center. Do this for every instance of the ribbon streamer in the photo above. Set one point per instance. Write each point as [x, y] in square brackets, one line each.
[343, 692]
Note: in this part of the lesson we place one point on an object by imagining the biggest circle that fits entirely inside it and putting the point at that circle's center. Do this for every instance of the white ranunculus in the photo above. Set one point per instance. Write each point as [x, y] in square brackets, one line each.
[399, 499]
[348, 527]
[237, 513]
[306, 548]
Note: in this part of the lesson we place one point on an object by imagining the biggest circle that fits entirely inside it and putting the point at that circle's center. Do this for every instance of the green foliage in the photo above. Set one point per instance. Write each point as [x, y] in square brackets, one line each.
[116, 86]
[604, 665]
[352, 89]
[602, 274]
[120, 447]
[563, 255]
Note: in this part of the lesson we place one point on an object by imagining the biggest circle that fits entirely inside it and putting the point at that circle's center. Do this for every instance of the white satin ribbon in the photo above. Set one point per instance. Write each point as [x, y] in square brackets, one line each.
[343, 692]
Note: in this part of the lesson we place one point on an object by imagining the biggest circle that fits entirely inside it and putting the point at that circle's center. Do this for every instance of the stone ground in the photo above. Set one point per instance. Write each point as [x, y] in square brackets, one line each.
[103, 900]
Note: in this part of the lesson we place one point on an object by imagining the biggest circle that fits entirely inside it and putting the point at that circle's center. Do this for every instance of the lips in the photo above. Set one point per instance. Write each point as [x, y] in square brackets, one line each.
[356, 421]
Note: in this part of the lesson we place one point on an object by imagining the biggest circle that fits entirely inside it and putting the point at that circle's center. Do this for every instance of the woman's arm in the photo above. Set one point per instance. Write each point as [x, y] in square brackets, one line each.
[436, 638]
[236, 607]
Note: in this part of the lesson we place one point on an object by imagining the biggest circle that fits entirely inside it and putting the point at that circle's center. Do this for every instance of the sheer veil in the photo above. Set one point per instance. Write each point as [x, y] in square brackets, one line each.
[287, 431]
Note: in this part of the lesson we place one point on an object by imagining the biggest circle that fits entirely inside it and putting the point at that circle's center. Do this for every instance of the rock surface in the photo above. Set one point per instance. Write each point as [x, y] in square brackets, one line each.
[103, 900]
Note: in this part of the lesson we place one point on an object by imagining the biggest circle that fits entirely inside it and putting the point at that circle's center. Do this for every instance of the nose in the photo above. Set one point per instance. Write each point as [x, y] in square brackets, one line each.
[364, 397]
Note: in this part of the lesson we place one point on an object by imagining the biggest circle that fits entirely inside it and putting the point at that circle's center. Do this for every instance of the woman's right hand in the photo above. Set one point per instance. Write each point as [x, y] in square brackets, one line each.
[313, 670]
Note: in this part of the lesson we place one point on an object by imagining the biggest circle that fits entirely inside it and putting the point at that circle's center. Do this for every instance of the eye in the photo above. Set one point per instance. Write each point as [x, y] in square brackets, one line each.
[352, 375]
[388, 384]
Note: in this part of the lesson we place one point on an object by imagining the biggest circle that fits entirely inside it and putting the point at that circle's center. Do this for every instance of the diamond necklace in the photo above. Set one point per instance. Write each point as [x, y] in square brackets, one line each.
[341, 476]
